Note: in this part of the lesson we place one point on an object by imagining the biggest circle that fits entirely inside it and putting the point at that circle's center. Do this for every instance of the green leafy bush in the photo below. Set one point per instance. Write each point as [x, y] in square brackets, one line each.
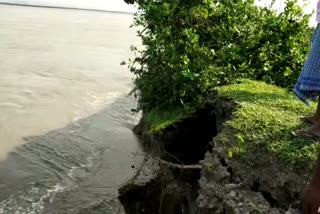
[191, 46]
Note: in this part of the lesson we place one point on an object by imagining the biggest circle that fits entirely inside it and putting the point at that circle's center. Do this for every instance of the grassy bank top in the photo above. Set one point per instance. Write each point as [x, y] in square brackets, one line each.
[263, 122]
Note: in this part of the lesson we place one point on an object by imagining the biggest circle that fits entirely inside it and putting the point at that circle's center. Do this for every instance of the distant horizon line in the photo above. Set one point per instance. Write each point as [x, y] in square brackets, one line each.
[64, 8]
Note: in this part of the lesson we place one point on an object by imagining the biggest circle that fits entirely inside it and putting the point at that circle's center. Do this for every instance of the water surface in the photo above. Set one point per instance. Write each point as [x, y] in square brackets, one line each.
[65, 122]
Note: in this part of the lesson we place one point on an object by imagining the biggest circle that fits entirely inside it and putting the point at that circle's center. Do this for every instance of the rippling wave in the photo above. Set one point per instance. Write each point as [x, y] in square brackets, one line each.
[65, 122]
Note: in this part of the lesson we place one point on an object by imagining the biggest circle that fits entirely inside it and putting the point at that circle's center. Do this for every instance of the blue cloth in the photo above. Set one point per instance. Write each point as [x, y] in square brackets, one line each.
[308, 84]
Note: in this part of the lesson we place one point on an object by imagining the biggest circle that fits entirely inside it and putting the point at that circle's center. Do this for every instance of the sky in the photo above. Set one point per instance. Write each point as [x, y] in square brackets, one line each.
[308, 6]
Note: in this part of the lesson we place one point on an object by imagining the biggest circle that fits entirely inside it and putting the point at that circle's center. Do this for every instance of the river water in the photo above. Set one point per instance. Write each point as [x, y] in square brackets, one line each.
[65, 125]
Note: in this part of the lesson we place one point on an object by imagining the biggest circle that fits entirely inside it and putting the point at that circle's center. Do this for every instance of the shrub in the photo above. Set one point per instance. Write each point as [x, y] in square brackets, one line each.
[191, 46]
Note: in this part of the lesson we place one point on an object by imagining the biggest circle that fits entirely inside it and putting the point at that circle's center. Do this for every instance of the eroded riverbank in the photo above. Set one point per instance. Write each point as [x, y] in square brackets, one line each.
[209, 168]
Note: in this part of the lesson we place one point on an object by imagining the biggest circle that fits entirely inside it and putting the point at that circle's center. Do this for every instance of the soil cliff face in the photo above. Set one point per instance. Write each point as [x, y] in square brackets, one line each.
[188, 171]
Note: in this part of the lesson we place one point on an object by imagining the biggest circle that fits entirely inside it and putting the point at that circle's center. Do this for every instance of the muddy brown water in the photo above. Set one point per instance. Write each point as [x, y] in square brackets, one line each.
[65, 125]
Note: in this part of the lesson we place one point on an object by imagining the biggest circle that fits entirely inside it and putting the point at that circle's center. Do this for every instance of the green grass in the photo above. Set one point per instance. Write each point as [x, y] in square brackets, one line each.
[264, 121]
[160, 119]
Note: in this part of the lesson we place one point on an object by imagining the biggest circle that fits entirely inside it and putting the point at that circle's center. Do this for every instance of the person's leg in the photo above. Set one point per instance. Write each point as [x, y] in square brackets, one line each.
[315, 119]
[311, 200]
[305, 90]
[312, 132]
[311, 193]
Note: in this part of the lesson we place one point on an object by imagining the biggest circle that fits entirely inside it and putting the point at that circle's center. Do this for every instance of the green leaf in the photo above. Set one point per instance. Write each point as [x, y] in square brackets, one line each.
[230, 154]
[240, 140]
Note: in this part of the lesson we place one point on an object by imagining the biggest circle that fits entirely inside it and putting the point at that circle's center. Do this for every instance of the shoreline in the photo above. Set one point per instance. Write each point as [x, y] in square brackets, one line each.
[64, 8]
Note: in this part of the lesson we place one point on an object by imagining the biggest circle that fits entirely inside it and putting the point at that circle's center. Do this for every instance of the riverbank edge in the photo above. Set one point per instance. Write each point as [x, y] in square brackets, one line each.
[223, 180]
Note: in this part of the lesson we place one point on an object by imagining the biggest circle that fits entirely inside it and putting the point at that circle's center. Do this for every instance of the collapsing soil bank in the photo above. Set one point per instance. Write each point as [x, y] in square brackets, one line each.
[199, 165]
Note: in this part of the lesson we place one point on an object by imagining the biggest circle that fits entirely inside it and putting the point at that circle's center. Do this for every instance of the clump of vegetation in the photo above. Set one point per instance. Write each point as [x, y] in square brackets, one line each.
[264, 121]
[192, 46]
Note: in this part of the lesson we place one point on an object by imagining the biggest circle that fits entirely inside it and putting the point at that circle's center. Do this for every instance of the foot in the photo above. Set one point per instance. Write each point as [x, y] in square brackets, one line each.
[315, 120]
[312, 132]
